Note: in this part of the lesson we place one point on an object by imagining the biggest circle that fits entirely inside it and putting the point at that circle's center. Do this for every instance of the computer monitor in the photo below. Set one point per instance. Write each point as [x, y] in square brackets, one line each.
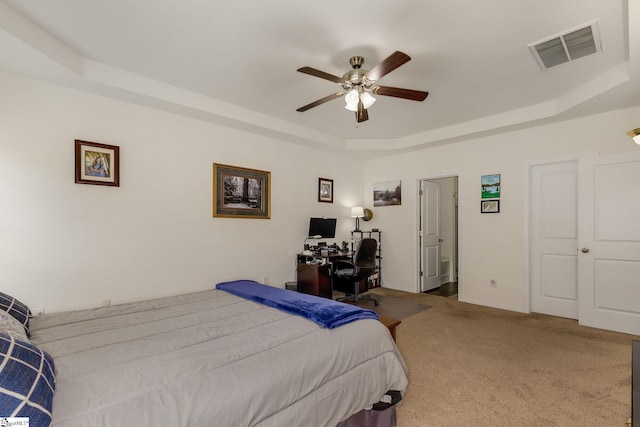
[323, 227]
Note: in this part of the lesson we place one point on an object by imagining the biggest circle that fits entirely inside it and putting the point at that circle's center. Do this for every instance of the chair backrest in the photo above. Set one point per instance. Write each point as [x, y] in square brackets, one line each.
[366, 254]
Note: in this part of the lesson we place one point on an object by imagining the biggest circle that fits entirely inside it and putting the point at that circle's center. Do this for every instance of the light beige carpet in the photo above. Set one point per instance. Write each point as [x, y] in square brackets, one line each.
[477, 366]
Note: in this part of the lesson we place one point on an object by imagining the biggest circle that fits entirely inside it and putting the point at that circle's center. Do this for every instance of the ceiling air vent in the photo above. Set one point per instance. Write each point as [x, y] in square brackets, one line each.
[567, 46]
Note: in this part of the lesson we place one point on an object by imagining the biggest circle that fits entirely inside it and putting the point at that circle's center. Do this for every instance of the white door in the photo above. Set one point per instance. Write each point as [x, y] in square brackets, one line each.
[430, 236]
[609, 266]
[554, 239]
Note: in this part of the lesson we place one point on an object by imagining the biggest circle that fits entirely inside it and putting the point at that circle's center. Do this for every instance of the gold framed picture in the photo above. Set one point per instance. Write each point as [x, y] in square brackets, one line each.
[241, 192]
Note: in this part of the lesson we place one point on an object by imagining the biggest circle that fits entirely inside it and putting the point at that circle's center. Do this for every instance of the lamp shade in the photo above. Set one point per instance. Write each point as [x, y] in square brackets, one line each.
[351, 99]
[367, 99]
[357, 212]
[635, 134]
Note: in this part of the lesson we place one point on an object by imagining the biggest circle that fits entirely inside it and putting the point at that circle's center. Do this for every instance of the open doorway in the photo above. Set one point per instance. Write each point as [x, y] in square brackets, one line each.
[438, 236]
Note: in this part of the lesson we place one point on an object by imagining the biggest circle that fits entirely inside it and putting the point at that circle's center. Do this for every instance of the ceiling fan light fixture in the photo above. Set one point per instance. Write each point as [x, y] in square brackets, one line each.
[351, 99]
[635, 134]
[367, 99]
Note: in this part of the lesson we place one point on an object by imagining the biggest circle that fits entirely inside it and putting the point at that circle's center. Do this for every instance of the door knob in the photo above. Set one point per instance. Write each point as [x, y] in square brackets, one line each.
[585, 250]
[440, 240]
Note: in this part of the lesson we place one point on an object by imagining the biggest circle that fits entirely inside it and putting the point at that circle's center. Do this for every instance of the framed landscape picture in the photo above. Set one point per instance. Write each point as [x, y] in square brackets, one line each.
[241, 192]
[97, 164]
[325, 190]
[387, 193]
[490, 185]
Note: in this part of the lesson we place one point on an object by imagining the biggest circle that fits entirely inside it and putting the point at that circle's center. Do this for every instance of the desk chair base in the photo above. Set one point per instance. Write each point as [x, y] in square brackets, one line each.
[359, 269]
[356, 298]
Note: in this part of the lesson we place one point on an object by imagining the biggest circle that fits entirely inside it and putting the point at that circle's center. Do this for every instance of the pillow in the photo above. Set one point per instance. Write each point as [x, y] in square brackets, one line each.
[9, 325]
[17, 309]
[27, 381]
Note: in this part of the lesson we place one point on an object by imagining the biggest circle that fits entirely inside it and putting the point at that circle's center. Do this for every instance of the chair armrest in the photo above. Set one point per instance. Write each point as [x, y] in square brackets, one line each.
[345, 264]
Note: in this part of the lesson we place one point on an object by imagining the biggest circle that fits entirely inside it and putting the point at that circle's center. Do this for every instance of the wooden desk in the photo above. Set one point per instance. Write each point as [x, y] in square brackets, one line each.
[390, 323]
[315, 279]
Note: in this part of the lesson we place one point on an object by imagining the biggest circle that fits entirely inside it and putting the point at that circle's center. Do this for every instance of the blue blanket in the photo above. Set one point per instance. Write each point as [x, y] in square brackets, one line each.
[325, 312]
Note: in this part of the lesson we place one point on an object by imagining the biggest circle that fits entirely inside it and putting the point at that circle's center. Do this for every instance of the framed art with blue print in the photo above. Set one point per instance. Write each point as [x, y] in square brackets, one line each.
[97, 164]
[325, 190]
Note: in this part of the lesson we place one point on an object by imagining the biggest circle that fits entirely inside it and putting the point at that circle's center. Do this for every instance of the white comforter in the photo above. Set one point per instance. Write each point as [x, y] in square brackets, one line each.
[212, 359]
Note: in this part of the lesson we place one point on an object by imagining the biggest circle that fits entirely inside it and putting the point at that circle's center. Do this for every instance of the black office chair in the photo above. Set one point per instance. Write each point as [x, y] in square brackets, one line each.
[363, 266]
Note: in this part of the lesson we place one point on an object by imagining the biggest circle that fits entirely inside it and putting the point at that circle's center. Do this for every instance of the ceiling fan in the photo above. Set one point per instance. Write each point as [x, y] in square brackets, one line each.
[359, 84]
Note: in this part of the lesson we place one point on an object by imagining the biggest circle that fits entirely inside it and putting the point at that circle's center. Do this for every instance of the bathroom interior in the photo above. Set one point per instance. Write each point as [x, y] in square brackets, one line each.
[448, 214]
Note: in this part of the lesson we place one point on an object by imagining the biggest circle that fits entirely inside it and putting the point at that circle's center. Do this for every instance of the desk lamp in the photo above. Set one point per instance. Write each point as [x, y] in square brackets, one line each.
[357, 212]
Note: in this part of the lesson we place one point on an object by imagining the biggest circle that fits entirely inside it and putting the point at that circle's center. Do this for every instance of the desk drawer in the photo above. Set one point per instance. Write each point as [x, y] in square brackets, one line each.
[315, 279]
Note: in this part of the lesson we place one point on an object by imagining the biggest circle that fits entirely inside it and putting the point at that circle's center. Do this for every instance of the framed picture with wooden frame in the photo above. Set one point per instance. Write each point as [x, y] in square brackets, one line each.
[97, 164]
[241, 192]
[325, 190]
[490, 206]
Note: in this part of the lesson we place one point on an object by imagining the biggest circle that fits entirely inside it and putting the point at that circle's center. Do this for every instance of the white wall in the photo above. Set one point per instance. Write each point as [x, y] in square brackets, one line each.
[67, 246]
[492, 246]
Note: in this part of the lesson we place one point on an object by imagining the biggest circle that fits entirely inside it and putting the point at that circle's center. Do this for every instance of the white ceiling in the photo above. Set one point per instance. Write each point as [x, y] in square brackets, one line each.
[235, 62]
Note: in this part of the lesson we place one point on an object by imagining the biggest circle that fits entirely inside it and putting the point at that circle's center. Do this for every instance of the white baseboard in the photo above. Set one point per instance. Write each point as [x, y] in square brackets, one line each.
[493, 305]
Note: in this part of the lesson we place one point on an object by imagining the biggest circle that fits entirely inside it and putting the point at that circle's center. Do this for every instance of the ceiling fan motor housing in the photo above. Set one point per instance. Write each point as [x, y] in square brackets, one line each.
[356, 77]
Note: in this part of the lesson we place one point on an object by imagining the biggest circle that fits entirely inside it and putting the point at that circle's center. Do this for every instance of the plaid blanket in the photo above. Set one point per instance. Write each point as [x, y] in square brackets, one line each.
[27, 381]
[17, 309]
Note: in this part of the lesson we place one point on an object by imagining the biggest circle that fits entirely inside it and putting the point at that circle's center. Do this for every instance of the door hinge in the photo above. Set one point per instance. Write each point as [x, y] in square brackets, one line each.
[421, 193]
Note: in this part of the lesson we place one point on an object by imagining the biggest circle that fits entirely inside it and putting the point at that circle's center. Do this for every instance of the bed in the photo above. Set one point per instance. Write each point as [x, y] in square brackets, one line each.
[212, 358]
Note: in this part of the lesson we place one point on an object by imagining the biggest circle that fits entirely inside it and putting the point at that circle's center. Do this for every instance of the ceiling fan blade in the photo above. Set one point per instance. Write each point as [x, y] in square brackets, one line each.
[320, 101]
[321, 74]
[415, 95]
[362, 114]
[394, 60]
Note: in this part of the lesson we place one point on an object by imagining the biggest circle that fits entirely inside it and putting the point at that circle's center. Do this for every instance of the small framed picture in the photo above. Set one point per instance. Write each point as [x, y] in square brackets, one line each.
[490, 186]
[97, 164]
[241, 192]
[387, 193]
[325, 190]
[490, 206]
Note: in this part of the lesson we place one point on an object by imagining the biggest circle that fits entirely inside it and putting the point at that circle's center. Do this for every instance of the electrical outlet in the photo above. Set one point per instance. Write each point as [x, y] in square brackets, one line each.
[38, 311]
[106, 302]
[493, 283]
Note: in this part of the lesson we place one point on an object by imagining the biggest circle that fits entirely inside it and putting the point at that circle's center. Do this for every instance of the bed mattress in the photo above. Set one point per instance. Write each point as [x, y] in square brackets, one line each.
[213, 359]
